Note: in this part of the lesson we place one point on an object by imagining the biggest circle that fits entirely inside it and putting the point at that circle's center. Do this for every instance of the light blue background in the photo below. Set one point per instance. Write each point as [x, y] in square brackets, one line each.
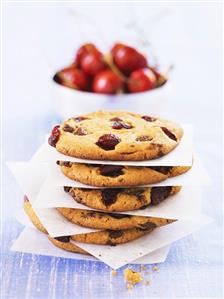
[39, 38]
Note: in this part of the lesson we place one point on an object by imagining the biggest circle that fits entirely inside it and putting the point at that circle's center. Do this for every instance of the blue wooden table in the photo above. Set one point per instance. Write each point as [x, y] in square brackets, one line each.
[194, 265]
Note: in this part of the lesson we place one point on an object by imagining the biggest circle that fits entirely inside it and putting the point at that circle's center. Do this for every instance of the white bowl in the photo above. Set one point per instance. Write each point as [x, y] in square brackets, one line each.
[69, 102]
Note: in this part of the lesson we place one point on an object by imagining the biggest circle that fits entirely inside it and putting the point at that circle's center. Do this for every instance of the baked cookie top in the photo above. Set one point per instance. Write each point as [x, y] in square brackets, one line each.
[118, 136]
[100, 175]
[102, 237]
[121, 199]
[112, 221]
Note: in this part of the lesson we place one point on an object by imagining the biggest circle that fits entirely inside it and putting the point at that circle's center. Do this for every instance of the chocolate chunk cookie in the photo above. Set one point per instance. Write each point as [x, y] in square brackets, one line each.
[117, 176]
[112, 221]
[118, 136]
[103, 237]
[61, 242]
[123, 199]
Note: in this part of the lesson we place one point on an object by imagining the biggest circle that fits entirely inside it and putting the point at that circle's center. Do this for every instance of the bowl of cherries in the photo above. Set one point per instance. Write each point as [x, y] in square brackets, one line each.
[120, 79]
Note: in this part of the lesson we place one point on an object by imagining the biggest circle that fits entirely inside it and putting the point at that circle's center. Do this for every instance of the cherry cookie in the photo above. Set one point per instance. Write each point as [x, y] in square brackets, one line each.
[118, 136]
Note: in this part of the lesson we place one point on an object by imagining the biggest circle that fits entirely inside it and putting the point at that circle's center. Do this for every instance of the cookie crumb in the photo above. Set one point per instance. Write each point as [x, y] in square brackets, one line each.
[143, 267]
[146, 282]
[114, 273]
[132, 277]
[130, 286]
[155, 268]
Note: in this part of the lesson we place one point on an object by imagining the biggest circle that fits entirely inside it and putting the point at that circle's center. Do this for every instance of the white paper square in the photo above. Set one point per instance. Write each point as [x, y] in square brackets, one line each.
[117, 256]
[32, 241]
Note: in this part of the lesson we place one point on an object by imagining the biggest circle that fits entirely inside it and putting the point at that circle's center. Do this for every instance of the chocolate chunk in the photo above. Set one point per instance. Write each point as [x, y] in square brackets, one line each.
[79, 118]
[162, 169]
[136, 192]
[68, 128]
[111, 170]
[109, 242]
[144, 207]
[147, 225]
[67, 189]
[80, 131]
[118, 216]
[86, 189]
[108, 142]
[58, 162]
[109, 196]
[169, 133]
[158, 194]
[148, 118]
[144, 138]
[64, 239]
[114, 234]
[67, 164]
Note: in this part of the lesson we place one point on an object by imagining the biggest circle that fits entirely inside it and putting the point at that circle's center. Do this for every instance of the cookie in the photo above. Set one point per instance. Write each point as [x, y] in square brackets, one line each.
[65, 244]
[111, 221]
[123, 199]
[103, 237]
[120, 136]
[112, 237]
[101, 175]
[32, 216]
[61, 242]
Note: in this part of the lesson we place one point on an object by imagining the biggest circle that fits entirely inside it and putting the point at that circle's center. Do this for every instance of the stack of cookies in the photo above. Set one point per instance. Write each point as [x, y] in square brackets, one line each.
[108, 147]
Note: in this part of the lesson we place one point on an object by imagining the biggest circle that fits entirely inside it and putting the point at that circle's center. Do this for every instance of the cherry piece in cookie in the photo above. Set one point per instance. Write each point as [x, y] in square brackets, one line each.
[80, 131]
[79, 118]
[148, 118]
[169, 133]
[108, 141]
[68, 129]
[119, 124]
[144, 138]
[54, 137]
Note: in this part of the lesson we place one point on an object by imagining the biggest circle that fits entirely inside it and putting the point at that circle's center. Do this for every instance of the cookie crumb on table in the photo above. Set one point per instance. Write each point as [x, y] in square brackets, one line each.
[143, 267]
[132, 277]
[114, 273]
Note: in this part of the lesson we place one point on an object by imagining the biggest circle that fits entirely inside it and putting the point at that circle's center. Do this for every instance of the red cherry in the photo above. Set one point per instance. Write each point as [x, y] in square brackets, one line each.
[141, 80]
[83, 51]
[107, 82]
[54, 137]
[115, 48]
[74, 78]
[127, 59]
[92, 64]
